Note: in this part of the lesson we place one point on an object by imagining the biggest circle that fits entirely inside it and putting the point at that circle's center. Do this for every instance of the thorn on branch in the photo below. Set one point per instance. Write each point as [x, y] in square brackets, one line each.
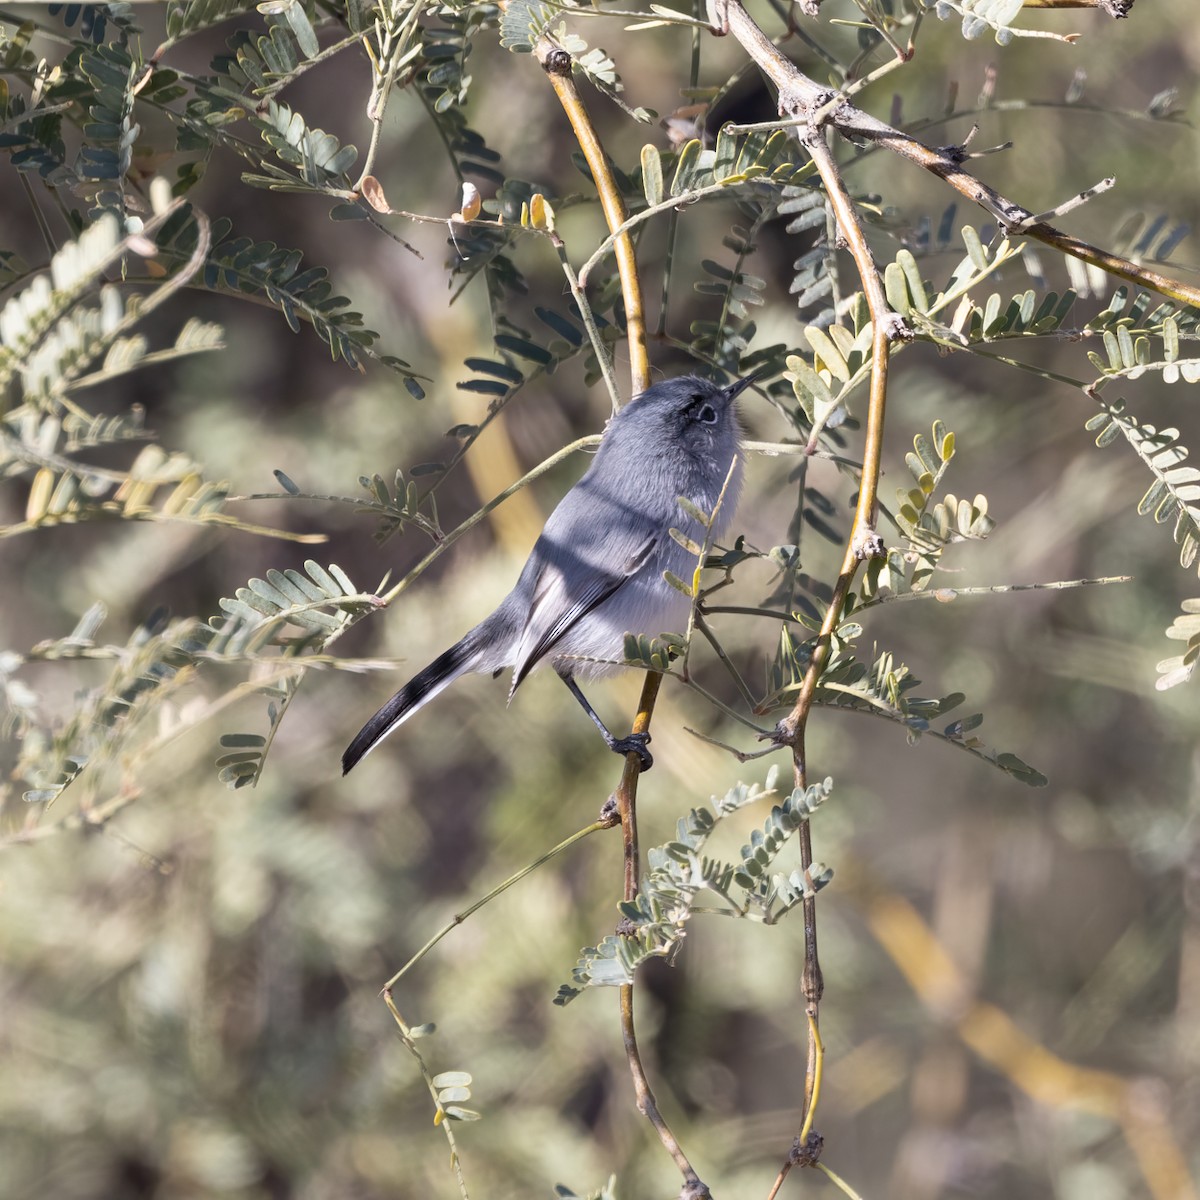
[1059, 210]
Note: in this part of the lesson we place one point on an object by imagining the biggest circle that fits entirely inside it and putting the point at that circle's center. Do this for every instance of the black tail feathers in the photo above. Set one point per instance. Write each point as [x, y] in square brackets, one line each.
[444, 669]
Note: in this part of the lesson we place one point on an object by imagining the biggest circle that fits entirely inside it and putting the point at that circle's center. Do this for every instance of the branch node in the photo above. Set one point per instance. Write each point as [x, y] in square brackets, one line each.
[957, 154]
[781, 735]
[813, 982]
[610, 813]
[1012, 217]
[808, 1152]
[695, 1189]
[897, 329]
[718, 17]
[803, 99]
[867, 544]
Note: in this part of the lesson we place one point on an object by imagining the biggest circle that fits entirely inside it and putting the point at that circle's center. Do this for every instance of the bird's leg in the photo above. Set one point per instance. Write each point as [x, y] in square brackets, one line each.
[635, 743]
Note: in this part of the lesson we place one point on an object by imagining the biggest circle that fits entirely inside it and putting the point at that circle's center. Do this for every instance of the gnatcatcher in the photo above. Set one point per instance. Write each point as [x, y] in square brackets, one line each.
[596, 572]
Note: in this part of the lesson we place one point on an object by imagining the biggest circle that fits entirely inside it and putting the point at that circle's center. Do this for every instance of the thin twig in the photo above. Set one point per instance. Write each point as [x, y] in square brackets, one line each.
[725, 660]
[498, 890]
[627, 807]
[393, 37]
[701, 558]
[480, 514]
[603, 357]
[838, 1181]
[334, 48]
[774, 449]
[902, 54]
[1115, 8]
[802, 1150]
[38, 216]
[557, 64]
[406, 1036]
[886, 326]
[731, 713]
[672, 204]
[815, 1033]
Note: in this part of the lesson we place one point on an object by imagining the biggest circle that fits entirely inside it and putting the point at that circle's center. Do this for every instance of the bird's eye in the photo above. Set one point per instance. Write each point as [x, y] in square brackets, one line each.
[707, 414]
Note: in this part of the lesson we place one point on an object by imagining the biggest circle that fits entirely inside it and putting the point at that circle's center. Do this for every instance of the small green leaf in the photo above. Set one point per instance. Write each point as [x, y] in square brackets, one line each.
[677, 583]
[484, 387]
[686, 166]
[490, 366]
[652, 175]
[687, 543]
[446, 1079]
[895, 286]
[40, 795]
[694, 511]
[827, 351]
[455, 1113]
[523, 347]
[243, 739]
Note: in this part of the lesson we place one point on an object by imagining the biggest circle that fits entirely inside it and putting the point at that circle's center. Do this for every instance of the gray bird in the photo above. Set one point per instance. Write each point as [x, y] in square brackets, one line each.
[596, 572]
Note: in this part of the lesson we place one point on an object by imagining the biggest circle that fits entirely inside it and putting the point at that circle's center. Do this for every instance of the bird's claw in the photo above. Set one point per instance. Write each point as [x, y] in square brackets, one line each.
[635, 743]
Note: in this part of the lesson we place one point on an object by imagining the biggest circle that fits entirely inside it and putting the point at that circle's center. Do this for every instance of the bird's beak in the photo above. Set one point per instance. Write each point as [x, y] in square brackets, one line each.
[738, 386]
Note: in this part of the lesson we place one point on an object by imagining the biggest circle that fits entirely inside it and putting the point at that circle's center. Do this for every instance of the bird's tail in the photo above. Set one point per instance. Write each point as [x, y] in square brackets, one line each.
[460, 659]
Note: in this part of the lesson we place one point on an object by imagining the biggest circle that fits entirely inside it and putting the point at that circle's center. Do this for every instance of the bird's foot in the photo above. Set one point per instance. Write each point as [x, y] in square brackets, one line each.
[635, 743]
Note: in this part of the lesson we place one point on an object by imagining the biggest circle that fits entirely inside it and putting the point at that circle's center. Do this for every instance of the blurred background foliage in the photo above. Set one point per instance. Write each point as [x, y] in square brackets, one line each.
[189, 994]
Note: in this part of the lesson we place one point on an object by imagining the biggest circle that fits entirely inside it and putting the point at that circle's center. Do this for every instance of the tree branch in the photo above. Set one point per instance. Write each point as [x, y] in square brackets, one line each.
[800, 96]
[557, 64]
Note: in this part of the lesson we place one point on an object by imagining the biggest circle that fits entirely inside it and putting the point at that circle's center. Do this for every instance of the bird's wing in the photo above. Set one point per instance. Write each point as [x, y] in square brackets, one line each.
[555, 607]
